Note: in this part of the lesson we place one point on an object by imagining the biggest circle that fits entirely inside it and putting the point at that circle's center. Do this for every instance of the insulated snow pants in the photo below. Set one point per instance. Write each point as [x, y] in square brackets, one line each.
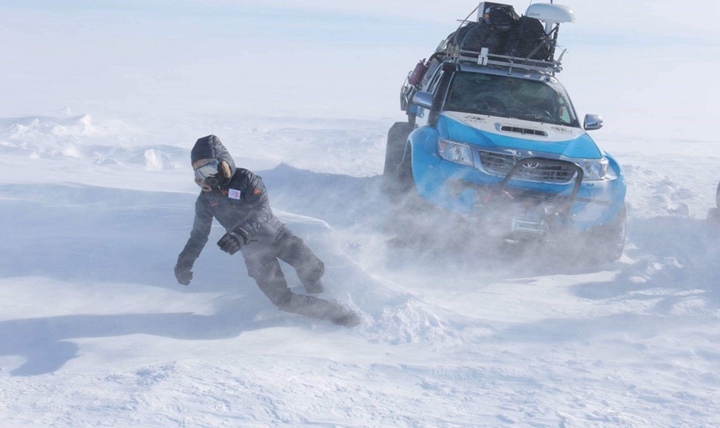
[263, 265]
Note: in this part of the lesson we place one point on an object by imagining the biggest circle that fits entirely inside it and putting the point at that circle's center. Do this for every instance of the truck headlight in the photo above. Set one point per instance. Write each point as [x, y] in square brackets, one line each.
[597, 169]
[455, 152]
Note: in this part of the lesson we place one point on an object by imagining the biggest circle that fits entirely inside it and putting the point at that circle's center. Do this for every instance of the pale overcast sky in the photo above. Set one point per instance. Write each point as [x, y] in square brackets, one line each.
[328, 58]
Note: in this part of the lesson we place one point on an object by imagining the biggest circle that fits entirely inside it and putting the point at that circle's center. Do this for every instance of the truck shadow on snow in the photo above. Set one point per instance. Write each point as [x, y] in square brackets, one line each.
[675, 262]
[667, 282]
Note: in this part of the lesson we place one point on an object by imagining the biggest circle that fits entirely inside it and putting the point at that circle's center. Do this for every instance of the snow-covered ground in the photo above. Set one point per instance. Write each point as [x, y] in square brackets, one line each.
[96, 201]
[94, 330]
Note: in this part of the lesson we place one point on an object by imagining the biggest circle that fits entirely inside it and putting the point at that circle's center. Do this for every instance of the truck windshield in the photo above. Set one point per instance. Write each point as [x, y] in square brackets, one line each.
[508, 96]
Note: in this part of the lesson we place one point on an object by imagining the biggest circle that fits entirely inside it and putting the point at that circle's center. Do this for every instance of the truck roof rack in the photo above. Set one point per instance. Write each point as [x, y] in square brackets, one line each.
[484, 58]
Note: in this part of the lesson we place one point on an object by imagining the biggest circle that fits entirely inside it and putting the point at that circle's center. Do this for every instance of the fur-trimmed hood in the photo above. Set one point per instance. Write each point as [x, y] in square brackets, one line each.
[211, 147]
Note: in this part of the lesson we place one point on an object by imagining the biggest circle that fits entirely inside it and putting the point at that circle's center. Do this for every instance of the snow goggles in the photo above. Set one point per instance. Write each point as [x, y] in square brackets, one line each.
[209, 173]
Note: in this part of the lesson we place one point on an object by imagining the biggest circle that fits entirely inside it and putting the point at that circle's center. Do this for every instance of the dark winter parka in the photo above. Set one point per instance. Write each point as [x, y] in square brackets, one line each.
[240, 202]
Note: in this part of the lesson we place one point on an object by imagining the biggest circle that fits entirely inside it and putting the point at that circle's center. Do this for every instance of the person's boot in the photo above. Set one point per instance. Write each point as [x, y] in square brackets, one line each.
[311, 306]
[349, 319]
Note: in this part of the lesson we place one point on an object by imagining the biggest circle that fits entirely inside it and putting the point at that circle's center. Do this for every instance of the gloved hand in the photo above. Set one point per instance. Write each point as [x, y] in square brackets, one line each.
[183, 273]
[231, 242]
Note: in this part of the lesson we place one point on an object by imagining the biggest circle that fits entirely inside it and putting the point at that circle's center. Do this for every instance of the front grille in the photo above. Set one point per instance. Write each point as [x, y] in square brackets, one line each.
[499, 164]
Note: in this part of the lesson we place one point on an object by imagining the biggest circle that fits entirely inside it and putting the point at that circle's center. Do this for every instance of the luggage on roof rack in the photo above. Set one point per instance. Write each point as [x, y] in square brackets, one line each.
[501, 38]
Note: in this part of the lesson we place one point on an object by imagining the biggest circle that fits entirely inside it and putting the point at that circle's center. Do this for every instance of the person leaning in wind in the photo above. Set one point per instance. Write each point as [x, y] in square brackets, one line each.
[237, 198]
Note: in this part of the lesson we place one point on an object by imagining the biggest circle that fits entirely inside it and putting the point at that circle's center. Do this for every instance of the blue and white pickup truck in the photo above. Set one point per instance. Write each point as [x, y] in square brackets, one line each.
[493, 136]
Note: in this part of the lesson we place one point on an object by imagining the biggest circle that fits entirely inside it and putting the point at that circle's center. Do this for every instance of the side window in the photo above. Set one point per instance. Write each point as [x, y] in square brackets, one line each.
[430, 73]
[441, 87]
[434, 82]
[431, 87]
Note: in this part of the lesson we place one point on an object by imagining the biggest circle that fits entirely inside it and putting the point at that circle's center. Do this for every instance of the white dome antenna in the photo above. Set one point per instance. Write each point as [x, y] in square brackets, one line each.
[550, 14]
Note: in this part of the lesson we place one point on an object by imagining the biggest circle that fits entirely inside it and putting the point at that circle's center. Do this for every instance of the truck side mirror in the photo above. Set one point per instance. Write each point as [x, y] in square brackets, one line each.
[423, 99]
[592, 122]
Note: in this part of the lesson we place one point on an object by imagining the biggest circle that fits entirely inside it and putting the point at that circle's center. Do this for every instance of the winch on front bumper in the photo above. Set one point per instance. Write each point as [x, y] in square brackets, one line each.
[503, 209]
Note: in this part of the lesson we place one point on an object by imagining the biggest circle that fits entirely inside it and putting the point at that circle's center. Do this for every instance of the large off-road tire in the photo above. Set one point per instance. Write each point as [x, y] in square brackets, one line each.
[713, 217]
[405, 179]
[394, 151]
[607, 242]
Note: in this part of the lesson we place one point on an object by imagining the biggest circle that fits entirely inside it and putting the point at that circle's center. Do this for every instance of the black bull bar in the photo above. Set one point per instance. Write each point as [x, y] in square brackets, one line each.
[499, 199]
